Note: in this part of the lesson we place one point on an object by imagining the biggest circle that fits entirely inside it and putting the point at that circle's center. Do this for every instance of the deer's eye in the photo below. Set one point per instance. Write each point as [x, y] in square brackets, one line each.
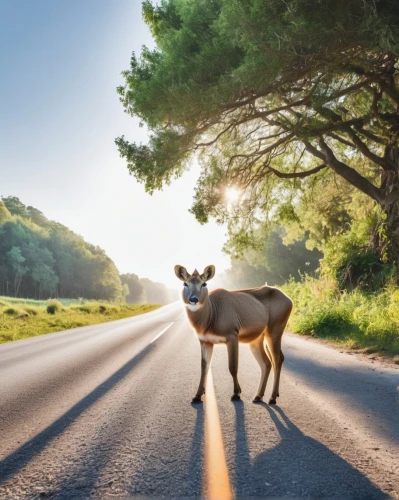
[203, 284]
[185, 284]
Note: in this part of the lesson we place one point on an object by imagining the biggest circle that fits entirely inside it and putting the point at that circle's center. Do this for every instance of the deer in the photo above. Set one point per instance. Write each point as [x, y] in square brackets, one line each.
[254, 316]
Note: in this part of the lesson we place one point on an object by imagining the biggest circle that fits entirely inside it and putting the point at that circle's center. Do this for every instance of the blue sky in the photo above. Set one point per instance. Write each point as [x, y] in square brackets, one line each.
[60, 65]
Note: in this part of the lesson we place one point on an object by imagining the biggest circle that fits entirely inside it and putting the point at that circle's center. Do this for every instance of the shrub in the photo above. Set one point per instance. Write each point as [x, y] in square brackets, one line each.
[32, 311]
[53, 306]
[12, 311]
[359, 318]
[358, 258]
[85, 309]
[324, 321]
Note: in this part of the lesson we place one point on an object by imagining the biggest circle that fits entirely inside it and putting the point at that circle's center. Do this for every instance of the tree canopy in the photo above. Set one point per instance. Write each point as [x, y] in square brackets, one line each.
[40, 258]
[136, 290]
[267, 94]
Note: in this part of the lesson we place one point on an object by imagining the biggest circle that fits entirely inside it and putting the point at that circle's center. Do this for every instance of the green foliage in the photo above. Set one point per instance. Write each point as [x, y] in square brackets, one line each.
[158, 293]
[41, 258]
[85, 309]
[266, 95]
[270, 261]
[356, 259]
[362, 268]
[53, 307]
[4, 213]
[11, 311]
[136, 289]
[357, 319]
[32, 302]
[32, 311]
[21, 319]
[324, 207]
[15, 206]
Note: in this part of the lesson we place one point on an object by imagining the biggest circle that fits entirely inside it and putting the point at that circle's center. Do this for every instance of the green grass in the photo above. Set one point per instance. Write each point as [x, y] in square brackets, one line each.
[357, 320]
[21, 319]
[12, 300]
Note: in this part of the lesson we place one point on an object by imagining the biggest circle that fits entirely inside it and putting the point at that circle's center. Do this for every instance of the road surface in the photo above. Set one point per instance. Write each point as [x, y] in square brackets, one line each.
[104, 411]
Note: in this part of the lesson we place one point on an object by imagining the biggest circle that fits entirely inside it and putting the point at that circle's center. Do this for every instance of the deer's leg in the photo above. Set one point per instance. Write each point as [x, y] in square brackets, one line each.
[206, 356]
[273, 340]
[232, 351]
[258, 350]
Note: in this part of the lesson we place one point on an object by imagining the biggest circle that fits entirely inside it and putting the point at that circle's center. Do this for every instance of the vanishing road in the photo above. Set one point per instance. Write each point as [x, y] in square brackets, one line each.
[104, 411]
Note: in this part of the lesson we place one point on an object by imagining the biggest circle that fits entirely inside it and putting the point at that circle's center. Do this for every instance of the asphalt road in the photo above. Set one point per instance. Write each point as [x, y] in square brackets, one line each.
[104, 411]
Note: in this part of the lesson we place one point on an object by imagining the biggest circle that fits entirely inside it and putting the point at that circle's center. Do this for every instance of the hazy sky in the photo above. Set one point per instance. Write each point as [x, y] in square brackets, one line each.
[60, 64]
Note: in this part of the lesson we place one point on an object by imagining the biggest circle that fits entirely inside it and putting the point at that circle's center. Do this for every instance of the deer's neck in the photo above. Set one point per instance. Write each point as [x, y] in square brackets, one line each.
[202, 318]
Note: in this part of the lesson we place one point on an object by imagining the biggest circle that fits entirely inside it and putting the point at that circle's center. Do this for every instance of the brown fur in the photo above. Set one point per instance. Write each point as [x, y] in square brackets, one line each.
[250, 316]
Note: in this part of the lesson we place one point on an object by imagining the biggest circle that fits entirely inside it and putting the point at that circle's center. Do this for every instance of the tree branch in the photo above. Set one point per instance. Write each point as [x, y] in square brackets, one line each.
[283, 140]
[342, 140]
[361, 146]
[338, 126]
[205, 144]
[258, 154]
[314, 151]
[296, 175]
[349, 173]
[390, 91]
[354, 87]
[371, 136]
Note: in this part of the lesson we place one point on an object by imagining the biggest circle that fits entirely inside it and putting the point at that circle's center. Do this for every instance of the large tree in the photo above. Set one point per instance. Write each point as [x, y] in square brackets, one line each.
[266, 93]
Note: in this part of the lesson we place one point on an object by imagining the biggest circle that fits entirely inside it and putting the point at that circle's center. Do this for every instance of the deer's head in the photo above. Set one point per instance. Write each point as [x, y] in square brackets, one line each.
[195, 291]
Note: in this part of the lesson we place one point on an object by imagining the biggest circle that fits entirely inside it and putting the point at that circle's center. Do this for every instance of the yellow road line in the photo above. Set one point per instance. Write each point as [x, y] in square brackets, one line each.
[216, 475]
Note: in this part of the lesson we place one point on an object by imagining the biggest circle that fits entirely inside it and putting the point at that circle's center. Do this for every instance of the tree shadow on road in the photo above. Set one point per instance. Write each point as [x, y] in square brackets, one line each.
[362, 387]
[24, 454]
[297, 466]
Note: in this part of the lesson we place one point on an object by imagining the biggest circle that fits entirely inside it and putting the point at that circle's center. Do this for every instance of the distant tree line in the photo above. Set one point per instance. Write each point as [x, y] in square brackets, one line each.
[272, 261]
[40, 258]
[145, 290]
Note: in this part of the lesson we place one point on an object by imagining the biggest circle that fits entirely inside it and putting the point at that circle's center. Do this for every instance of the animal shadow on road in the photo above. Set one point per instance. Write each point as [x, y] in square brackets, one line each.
[297, 466]
[85, 479]
[25, 453]
[197, 458]
[174, 468]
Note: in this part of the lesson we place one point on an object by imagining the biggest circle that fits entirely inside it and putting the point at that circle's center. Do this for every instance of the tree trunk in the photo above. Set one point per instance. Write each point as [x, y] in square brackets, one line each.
[391, 206]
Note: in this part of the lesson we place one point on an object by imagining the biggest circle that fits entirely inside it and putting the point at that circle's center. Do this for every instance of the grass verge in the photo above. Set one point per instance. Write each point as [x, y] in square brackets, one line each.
[21, 319]
[357, 320]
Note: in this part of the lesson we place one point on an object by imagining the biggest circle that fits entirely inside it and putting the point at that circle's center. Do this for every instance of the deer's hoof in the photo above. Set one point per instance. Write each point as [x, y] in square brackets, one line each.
[196, 400]
[235, 397]
[257, 399]
[272, 401]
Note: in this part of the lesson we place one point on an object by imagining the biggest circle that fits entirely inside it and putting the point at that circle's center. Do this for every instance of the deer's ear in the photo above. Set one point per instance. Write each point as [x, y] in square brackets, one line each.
[181, 273]
[208, 274]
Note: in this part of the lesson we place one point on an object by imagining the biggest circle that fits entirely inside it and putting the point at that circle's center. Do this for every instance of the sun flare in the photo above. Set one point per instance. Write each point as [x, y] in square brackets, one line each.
[232, 194]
